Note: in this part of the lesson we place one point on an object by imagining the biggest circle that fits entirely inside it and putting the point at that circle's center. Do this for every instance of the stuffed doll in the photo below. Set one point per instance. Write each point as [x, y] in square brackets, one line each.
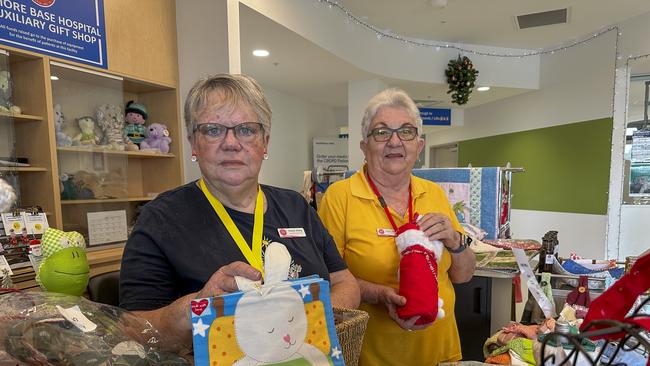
[111, 121]
[418, 274]
[6, 90]
[135, 115]
[87, 135]
[157, 138]
[64, 267]
[59, 119]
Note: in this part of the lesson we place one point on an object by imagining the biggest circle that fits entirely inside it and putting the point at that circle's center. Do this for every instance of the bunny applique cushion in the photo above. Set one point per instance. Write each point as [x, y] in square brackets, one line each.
[418, 274]
[278, 322]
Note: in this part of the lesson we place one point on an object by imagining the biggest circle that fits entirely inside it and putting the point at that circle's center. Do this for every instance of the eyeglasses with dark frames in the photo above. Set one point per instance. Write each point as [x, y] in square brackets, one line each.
[244, 132]
[383, 134]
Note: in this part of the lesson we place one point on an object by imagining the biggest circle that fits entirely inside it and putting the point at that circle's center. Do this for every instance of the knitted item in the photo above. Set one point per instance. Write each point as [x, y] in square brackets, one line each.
[580, 295]
[418, 275]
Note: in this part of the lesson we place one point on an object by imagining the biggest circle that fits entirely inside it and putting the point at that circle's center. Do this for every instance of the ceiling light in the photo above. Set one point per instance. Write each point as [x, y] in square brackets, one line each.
[483, 88]
[261, 53]
[54, 77]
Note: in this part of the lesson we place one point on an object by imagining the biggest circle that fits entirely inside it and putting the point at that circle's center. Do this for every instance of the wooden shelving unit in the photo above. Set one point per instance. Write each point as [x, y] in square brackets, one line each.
[108, 200]
[22, 169]
[140, 175]
[131, 154]
[20, 117]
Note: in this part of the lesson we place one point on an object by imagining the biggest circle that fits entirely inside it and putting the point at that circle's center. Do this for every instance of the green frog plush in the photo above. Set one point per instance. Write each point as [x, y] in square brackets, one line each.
[64, 267]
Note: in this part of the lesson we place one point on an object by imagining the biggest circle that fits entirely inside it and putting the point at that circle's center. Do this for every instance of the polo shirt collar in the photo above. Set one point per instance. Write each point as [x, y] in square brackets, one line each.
[360, 187]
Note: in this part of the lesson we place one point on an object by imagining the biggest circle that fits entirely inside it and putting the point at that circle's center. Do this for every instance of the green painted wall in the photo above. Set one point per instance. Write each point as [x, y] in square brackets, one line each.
[567, 166]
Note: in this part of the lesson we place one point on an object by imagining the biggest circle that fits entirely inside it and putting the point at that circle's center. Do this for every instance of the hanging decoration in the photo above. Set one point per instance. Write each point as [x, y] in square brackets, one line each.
[333, 4]
[461, 76]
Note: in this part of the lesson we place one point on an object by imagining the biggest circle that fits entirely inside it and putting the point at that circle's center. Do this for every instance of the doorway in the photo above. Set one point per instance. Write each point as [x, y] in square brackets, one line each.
[445, 156]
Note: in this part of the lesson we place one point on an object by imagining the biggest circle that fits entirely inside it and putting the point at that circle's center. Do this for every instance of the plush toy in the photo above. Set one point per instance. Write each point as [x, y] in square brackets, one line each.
[6, 89]
[7, 196]
[136, 115]
[111, 121]
[74, 189]
[87, 135]
[418, 274]
[59, 119]
[64, 267]
[157, 138]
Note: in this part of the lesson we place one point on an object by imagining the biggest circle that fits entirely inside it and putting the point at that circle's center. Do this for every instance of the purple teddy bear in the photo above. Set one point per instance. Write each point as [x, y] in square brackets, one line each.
[157, 138]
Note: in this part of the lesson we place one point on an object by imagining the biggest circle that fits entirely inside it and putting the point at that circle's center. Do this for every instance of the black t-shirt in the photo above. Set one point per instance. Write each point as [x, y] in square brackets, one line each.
[179, 241]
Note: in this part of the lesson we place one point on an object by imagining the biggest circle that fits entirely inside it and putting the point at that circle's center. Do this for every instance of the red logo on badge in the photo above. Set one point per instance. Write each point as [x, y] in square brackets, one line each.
[44, 3]
[381, 231]
[199, 306]
[283, 232]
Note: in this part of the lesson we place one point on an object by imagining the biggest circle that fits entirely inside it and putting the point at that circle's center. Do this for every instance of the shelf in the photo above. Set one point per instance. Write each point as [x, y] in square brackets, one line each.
[22, 169]
[132, 154]
[108, 200]
[21, 117]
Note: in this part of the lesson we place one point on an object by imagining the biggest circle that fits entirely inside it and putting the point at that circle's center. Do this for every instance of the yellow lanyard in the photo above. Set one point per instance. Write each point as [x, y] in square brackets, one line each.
[254, 255]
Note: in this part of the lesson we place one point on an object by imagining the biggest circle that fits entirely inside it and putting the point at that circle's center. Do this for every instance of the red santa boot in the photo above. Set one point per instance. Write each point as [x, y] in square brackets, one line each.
[418, 274]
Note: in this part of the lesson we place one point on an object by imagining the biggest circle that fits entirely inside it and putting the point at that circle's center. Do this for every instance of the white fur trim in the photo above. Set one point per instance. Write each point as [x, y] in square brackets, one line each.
[415, 237]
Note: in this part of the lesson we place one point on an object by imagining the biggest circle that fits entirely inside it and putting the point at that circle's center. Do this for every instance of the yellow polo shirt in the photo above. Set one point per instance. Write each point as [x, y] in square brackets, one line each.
[352, 215]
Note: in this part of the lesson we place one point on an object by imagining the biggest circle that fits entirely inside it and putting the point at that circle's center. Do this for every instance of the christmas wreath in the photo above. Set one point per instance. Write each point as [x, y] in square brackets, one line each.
[461, 76]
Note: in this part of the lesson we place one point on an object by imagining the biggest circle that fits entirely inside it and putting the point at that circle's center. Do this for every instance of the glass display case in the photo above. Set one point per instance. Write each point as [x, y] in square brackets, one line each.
[104, 176]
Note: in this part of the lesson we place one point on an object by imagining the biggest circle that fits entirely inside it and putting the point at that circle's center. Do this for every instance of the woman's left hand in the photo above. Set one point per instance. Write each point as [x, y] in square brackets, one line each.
[437, 226]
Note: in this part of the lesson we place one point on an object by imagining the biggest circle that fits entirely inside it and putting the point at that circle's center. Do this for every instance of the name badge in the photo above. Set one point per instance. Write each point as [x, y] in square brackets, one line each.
[292, 232]
[385, 232]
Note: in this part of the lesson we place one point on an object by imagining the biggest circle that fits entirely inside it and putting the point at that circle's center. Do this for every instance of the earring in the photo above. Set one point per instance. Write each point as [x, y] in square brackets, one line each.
[193, 158]
[266, 156]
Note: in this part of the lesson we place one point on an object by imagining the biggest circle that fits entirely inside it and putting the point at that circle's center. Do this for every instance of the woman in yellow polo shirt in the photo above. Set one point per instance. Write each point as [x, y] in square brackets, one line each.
[363, 212]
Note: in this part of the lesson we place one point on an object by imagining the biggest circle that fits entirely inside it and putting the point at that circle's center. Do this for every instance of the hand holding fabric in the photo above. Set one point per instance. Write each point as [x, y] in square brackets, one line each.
[223, 280]
[437, 226]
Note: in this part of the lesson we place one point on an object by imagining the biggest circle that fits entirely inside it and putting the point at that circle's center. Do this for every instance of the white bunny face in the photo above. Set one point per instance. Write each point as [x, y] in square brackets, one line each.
[275, 334]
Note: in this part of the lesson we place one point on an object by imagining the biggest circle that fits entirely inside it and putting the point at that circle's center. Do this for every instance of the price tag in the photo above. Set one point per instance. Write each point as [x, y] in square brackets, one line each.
[76, 317]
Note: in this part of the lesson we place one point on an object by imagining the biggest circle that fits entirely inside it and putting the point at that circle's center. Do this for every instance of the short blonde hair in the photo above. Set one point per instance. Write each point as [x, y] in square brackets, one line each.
[392, 97]
[236, 90]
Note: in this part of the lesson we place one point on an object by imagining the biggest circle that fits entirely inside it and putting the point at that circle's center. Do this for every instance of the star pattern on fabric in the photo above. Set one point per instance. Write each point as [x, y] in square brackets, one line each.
[304, 291]
[199, 328]
[336, 353]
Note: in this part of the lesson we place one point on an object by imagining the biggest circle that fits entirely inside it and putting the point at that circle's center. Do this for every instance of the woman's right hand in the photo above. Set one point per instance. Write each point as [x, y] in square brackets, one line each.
[223, 280]
[392, 299]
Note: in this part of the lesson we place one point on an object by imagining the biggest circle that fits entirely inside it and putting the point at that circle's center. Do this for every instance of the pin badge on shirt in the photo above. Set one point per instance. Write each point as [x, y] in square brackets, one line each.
[292, 232]
[385, 232]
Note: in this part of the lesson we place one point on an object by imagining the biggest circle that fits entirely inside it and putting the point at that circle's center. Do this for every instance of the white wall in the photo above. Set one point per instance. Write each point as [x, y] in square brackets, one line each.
[202, 33]
[295, 123]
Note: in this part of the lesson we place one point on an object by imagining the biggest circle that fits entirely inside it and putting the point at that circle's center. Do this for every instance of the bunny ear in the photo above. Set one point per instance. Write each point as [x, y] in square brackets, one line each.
[276, 263]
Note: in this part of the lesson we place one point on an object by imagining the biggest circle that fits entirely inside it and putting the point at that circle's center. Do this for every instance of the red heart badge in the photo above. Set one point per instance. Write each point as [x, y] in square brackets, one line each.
[199, 306]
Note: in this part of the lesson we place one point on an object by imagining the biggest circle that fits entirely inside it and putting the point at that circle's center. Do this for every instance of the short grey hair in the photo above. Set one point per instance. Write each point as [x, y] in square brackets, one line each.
[236, 90]
[393, 97]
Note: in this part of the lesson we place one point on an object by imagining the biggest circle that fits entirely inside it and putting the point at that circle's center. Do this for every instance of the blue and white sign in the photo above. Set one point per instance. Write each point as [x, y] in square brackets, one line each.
[435, 116]
[72, 30]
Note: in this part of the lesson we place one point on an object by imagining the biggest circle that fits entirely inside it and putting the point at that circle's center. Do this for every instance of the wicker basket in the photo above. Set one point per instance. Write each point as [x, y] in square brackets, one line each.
[350, 328]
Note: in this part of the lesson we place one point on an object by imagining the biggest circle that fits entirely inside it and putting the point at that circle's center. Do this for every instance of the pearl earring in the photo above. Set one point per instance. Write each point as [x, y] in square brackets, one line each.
[266, 156]
[193, 158]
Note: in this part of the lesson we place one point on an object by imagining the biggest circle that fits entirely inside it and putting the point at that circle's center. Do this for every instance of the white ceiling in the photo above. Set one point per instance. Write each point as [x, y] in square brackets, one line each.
[298, 67]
